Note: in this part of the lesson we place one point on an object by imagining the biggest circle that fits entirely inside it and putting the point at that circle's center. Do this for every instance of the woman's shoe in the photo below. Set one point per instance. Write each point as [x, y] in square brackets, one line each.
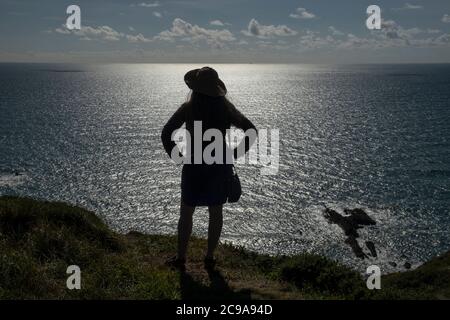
[176, 263]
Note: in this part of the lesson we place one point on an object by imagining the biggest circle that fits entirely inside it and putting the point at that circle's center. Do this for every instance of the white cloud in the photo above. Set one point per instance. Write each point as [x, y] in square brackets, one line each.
[147, 5]
[301, 13]
[394, 35]
[157, 14]
[391, 35]
[443, 39]
[105, 33]
[89, 33]
[193, 33]
[219, 23]
[408, 6]
[446, 18]
[353, 42]
[312, 40]
[62, 30]
[262, 31]
[335, 32]
[137, 38]
[433, 31]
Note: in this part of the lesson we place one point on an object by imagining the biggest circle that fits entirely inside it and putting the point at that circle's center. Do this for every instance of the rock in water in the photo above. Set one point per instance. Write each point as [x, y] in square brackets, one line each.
[349, 228]
[356, 219]
[371, 246]
[360, 217]
[357, 250]
[407, 265]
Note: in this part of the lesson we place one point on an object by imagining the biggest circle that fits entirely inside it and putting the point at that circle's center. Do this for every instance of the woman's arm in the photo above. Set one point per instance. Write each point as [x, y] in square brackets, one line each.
[174, 123]
[242, 122]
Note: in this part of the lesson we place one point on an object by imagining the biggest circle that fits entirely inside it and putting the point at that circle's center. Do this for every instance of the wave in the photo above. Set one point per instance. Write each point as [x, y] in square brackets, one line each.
[12, 179]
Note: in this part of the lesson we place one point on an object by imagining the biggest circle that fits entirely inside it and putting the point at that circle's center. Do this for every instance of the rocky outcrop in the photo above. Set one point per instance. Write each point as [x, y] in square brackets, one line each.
[355, 219]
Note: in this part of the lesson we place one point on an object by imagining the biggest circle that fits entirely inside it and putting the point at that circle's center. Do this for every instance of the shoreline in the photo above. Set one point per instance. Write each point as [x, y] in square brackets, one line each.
[363, 251]
[41, 239]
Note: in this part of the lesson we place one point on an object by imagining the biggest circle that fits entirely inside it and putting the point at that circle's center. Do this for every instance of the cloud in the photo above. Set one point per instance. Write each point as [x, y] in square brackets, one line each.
[301, 13]
[355, 42]
[312, 40]
[157, 14]
[105, 33]
[89, 33]
[193, 33]
[147, 5]
[62, 30]
[335, 32]
[408, 6]
[391, 35]
[391, 30]
[394, 35]
[219, 23]
[446, 18]
[137, 38]
[443, 39]
[262, 31]
[433, 31]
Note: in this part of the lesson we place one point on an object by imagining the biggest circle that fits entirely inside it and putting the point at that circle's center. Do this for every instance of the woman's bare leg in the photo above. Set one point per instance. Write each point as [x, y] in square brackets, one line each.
[214, 229]
[184, 229]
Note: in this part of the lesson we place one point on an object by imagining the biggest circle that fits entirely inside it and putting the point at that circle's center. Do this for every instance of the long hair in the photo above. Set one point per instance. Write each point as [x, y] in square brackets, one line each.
[198, 103]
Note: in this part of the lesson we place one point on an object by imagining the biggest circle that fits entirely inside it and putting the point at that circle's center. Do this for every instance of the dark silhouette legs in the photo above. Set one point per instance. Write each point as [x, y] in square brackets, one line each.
[214, 229]
[185, 229]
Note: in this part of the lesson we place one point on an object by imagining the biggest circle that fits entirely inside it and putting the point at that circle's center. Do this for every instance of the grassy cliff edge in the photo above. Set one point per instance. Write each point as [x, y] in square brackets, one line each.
[39, 240]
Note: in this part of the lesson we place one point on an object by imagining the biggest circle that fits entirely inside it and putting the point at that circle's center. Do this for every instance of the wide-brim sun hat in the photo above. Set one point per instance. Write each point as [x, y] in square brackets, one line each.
[205, 81]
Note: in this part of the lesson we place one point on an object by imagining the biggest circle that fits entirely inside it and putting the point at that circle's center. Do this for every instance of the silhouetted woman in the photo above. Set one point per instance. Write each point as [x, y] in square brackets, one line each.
[204, 184]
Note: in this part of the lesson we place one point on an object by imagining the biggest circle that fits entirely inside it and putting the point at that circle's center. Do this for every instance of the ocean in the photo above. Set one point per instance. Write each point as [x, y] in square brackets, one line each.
[375, 137]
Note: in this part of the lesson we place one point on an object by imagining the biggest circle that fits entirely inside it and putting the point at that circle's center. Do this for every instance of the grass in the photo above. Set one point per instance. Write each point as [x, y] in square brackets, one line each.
[39, 240]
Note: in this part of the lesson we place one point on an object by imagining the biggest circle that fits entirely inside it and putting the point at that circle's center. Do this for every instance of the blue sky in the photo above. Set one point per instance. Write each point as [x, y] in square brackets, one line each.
[244, 31]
